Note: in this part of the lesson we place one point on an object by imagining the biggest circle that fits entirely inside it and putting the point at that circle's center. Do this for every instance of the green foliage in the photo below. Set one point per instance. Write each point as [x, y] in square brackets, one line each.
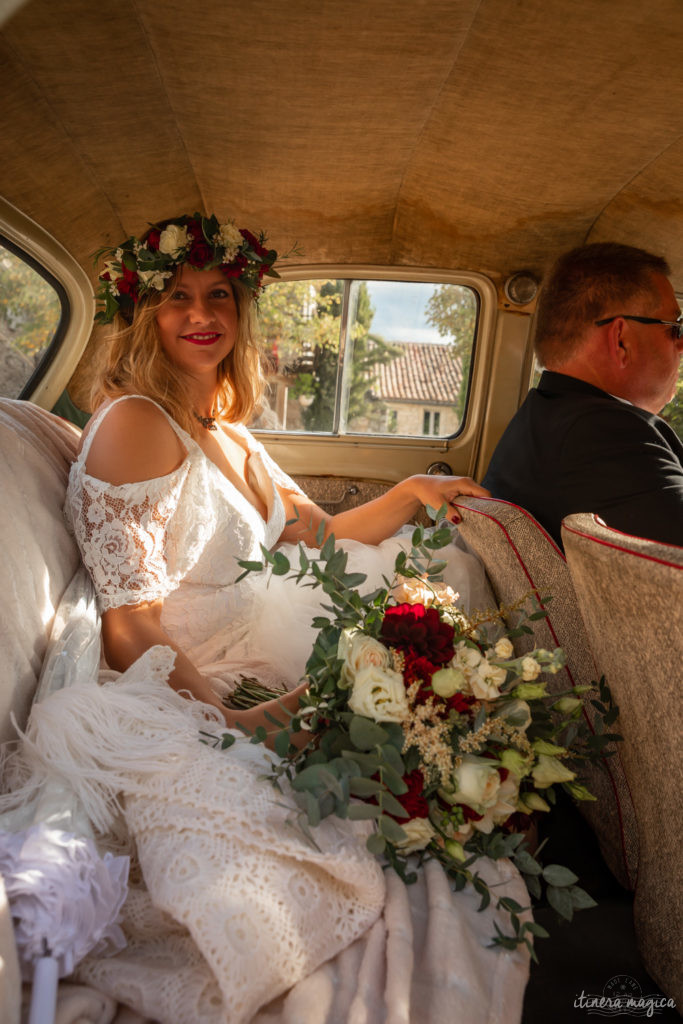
[29, 307]
[301, 323]
[673, 412]
[452, 310]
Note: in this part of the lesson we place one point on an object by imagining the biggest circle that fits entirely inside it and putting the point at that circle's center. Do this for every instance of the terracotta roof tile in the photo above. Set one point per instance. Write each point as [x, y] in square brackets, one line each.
[422, 373]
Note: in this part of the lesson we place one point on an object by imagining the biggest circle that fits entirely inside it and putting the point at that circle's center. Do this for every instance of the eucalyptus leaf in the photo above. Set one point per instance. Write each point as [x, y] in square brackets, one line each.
[559, 876]
[366, 734]
[391, 830]
[561, 901]
[365, 787]
[527, 864]
[376, 844]
[281, 744]
[581, 900]
[391, 806]
[363, 812]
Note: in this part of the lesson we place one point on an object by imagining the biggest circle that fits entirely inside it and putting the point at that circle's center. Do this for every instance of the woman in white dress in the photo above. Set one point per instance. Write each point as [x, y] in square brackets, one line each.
[168, 491]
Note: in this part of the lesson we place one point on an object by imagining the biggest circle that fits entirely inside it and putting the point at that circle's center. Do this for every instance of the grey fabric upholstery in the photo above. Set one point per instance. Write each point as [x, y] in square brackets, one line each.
[337, 494]
[39, 555]
[630, 592]
[520, 557]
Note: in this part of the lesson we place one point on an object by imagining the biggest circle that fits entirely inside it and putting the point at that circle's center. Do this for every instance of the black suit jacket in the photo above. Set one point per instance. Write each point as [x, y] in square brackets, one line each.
[573, 448]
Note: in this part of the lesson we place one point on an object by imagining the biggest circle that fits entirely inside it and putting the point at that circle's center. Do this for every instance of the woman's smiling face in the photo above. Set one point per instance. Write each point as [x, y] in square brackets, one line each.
[198, 322]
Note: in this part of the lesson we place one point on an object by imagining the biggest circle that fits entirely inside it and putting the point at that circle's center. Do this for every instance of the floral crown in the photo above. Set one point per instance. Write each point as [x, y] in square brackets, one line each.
[140, 266]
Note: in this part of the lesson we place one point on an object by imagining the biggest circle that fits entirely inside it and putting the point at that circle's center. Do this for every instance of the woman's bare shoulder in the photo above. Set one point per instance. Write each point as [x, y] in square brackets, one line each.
[134, 441]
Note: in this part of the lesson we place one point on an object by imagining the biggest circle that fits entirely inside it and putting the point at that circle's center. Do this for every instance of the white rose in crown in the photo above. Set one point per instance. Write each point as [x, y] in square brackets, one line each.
[173, 240]
[359, 651]
[111, 267]
[154, 278]
[419, 833]
[379, 693]
[230, 238]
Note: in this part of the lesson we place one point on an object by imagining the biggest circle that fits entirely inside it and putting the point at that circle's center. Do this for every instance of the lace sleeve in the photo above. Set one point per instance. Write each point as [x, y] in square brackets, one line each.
[124, 538]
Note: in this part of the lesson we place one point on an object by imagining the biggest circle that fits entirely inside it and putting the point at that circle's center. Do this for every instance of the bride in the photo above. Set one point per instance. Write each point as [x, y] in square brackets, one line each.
[168, 491]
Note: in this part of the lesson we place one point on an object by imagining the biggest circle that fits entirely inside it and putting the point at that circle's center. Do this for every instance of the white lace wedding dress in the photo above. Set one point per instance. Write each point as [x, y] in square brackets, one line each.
[235, 916]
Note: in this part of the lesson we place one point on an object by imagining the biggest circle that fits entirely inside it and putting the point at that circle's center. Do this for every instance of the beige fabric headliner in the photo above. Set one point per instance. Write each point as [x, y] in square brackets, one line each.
[475, 134]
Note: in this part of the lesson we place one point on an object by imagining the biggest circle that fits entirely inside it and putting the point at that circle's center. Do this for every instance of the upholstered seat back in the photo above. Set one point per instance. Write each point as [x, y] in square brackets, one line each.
[520, 557]
[39, 555]
[630, 592]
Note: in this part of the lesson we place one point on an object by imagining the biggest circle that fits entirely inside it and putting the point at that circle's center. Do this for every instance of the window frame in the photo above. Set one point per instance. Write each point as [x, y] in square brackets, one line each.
[338, 454]
[51, 260]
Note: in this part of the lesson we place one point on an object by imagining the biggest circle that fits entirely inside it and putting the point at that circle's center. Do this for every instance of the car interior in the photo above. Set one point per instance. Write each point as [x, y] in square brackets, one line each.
[418, 165]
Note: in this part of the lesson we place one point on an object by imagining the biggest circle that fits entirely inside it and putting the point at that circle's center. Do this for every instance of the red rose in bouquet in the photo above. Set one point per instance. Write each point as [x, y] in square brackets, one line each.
[412, 626]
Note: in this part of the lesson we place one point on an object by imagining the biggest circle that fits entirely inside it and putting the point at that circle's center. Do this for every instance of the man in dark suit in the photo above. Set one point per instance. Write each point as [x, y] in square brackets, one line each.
[587, 439]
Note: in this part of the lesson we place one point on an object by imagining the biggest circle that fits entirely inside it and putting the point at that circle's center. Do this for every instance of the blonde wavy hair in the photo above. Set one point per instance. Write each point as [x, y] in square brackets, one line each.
[134, 362]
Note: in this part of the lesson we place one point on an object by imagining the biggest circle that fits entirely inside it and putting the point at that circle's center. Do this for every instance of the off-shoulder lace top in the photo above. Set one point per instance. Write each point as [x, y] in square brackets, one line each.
[178, 536]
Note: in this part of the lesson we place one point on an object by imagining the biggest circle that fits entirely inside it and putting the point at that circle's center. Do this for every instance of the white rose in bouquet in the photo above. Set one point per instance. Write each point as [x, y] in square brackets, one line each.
[504, 649]
[505, 804]
[419, 833]
[413, 590]
[530, 669]
[379, 693]
[487, 680]
[359, 651]
[476, 783]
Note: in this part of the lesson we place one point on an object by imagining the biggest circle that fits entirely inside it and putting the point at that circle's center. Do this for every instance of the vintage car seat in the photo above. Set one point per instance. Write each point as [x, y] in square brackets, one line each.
[39, 559]
[630, 592]
[39, 554]
[520, 557]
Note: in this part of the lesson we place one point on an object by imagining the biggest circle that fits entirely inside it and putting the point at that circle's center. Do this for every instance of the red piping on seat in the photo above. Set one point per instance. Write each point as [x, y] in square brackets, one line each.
[618, 547]
[605, 761]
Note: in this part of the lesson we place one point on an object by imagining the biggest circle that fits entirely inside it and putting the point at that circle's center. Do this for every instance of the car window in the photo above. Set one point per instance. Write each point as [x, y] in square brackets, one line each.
[31, 310]
[352, 356]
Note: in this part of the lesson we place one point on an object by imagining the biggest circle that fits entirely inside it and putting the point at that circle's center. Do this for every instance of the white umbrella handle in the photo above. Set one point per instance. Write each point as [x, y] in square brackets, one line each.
[44, 991]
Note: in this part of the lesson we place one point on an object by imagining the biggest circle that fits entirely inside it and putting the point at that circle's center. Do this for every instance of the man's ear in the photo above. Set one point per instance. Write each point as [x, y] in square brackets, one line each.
[618, 344]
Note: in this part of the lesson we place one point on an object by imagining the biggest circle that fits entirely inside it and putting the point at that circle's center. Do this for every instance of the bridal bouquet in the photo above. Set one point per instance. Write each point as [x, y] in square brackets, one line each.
[421, 718]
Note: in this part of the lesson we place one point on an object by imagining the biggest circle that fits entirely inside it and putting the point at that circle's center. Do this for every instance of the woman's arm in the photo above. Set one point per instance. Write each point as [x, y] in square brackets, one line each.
[129, 631]
[380, 518]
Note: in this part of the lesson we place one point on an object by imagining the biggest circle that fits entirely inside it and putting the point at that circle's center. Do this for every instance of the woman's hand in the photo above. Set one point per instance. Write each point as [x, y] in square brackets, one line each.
[256, 716]
[438, 490]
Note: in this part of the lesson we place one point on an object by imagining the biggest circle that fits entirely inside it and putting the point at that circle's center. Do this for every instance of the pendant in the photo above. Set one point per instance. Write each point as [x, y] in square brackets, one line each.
[208, 422]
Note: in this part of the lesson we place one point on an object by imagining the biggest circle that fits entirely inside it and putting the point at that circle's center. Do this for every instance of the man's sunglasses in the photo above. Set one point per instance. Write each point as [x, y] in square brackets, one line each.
[675, 325]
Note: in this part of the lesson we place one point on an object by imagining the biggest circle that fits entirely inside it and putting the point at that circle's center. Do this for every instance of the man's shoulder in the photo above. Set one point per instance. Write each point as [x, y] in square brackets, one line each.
[574, 401]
